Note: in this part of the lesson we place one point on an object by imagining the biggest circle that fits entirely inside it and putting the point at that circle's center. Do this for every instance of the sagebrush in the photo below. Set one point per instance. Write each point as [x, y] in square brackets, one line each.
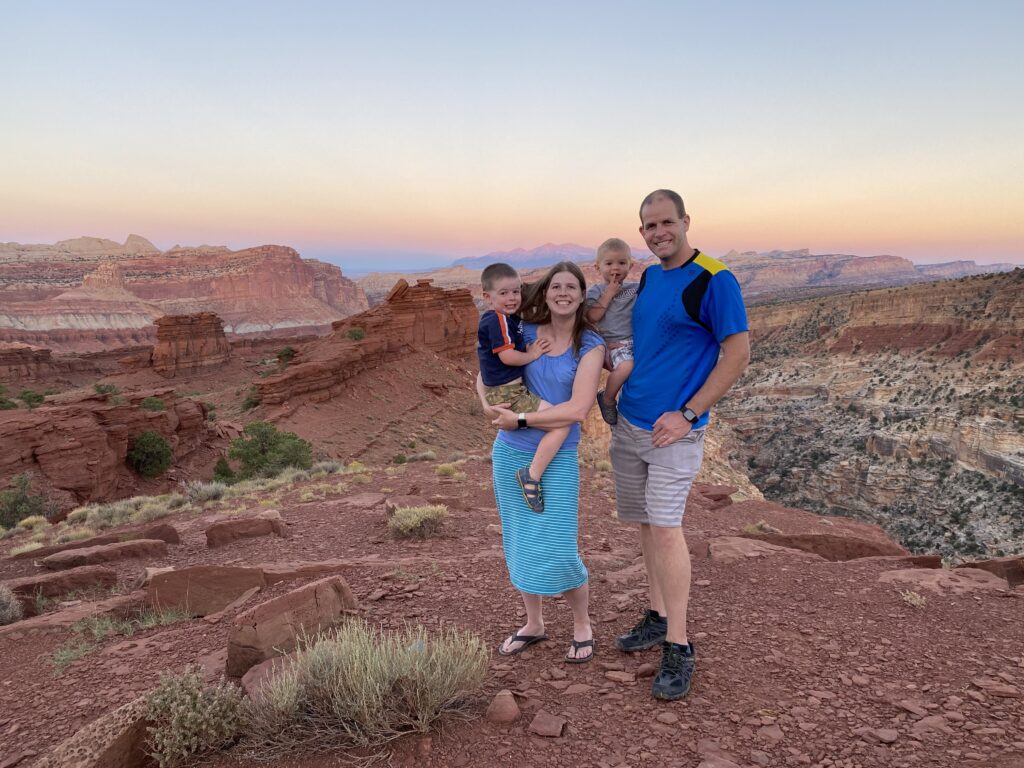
[418, 522]
[362, 687]
[10, 607]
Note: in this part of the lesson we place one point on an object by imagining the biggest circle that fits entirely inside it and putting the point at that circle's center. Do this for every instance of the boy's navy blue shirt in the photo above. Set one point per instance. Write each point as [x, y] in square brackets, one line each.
[496, 333]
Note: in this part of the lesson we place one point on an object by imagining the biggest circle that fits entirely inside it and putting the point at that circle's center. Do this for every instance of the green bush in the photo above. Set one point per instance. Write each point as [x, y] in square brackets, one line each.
[106, 389]
[10, 607]
[252, 399]
[286, 355]
[262, 451]
[30, 398]
[150, 454]
[153, 404]
[5, 403]
[359, 687]
[222, 472]
[417, 522]
[20, 502]
[189, 719]
[356, 334]
[399, 459]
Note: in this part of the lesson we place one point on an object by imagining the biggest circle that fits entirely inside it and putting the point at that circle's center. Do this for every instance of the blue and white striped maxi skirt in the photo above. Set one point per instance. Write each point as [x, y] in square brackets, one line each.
[541, 550]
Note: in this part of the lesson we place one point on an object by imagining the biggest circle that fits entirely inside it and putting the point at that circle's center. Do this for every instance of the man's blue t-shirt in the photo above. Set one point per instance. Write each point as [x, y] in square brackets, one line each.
[550, 378]
[496, 333]
[680, 318]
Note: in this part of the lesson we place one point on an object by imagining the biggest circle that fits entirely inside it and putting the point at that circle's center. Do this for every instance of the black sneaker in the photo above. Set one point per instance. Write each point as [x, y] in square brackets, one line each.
[648, 632]
[673, 679]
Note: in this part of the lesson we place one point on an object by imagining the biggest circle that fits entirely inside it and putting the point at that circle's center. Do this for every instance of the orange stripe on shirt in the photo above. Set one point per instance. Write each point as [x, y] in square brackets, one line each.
[503, 325]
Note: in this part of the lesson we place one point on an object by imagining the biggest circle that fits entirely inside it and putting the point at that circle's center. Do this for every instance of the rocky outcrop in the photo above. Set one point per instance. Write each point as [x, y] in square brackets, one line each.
[274, 627]
[202, 589]
[48, 585]
[189, 344]
[114, 740]
[267, 523]
[104, 553]
[419, 317]
[79, 447]
[90, 294]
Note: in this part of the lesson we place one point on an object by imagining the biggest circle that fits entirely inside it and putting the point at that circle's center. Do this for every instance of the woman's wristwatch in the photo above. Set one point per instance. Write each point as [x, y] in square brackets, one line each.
[689, 415]
[521, 421]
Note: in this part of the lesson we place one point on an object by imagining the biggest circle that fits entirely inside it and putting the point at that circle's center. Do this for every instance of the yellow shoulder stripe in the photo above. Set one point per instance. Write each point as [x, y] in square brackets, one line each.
[713, 266]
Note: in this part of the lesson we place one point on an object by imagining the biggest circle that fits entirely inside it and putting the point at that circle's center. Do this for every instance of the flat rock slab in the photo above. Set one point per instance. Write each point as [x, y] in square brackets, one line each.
[202, 589]
[959, 582]
[59, 583]
[831, 546]
[365, 500]
[115, 740]
[58, 622]
[273, 627]
[547, 724]
[302, 569]
[264, 524]
[104, 553]
[734, 549]
[162, 531]
[1010, 568]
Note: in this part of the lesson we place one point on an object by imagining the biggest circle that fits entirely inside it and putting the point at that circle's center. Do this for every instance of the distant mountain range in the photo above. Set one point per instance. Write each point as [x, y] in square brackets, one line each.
[541, 256]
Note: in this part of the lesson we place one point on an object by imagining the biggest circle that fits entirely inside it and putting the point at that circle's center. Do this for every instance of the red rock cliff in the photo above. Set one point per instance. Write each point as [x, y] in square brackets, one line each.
[411, 318]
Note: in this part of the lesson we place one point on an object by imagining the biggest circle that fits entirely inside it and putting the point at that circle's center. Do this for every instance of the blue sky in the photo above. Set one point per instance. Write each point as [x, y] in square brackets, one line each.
[407, 134]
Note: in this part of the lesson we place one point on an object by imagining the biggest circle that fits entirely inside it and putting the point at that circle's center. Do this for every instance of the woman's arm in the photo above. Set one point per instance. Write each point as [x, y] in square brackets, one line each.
[573, 410]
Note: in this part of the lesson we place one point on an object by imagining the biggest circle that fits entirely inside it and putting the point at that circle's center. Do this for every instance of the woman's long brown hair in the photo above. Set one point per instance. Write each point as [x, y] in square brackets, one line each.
[535, 307]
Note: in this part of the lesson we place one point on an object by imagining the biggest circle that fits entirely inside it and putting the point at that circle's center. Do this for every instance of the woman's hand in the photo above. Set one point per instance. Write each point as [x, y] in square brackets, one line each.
[505, 419]
[492, 411]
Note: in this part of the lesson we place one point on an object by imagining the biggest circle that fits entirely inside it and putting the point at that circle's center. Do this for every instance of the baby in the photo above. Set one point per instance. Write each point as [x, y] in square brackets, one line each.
[610, 308]
[502, 354]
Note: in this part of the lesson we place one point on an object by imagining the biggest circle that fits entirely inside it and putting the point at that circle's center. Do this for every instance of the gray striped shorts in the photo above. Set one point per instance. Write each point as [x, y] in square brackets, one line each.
[651, 484]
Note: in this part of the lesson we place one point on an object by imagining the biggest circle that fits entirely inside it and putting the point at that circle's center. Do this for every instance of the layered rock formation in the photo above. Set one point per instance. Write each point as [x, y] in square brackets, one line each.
[91, 294]
[904, 406]
[189, 344]
[419, 317]
[79, 446]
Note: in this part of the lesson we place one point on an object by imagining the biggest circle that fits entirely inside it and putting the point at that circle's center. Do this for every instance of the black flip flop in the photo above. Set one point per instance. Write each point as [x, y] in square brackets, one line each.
[526, 640]
[576, 645]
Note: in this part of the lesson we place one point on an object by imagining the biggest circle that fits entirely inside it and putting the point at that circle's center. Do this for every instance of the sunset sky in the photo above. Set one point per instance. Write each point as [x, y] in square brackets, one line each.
[402, 134]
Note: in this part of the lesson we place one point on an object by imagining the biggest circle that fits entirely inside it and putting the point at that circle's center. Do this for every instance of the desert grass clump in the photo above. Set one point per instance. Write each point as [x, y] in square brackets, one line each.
[33, 522]
[354, 467]
[69, 652]
[423, 456]
[446, 470]
[417, 522]
[198, 492]
[157, 507]
[292, 475]
[913, 599]
[327, 467]
[761, 526]
[189, 718]
[28, 547]
[603, 465]
[360, 687]
[74, 534]
[79, 515]
[10, 607]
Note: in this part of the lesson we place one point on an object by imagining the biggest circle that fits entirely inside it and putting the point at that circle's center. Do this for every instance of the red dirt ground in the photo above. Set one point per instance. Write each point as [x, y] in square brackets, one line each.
[794, 655]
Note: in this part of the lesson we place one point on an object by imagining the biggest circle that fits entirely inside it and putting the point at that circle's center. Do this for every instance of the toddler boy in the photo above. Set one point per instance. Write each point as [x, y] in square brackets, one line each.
[502, 353]
[610, 308]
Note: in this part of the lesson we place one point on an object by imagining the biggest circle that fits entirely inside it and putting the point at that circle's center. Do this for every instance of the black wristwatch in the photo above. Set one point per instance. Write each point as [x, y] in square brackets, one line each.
[689, 415]
[521, 421]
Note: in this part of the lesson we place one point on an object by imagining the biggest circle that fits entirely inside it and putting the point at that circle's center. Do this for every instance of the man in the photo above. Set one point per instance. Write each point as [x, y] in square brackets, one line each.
[690, 345]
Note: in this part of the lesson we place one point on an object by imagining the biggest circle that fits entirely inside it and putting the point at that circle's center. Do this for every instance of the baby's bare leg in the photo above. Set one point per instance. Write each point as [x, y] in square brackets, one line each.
[548, 447]
[616, 379]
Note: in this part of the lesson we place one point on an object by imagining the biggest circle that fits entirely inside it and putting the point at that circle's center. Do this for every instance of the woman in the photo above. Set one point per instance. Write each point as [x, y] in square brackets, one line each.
[541, 549]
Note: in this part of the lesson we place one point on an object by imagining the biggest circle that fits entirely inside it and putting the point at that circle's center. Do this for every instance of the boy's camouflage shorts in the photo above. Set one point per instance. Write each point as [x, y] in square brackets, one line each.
[519, 398]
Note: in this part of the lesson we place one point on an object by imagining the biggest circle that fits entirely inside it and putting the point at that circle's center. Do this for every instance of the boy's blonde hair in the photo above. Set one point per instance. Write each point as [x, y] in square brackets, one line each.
[613, 244]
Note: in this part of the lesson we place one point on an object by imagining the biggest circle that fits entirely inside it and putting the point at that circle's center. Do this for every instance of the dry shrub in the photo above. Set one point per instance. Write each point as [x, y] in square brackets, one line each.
[913, 599]
[423, 456]
[361, 687]
[35, 521]
[761, 526]
[327, 467]
[603, 465]
[446, 470]
[29, 547]
[417, 522]
[10, 608]
[198, 492]
[189, 719]
[74, 534]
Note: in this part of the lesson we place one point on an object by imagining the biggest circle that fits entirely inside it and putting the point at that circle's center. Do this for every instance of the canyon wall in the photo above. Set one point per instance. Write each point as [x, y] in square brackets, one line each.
[91, 294]
[418, 317]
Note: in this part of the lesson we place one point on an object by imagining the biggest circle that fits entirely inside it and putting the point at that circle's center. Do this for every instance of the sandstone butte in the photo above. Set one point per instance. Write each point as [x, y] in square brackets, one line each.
[89, 294]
